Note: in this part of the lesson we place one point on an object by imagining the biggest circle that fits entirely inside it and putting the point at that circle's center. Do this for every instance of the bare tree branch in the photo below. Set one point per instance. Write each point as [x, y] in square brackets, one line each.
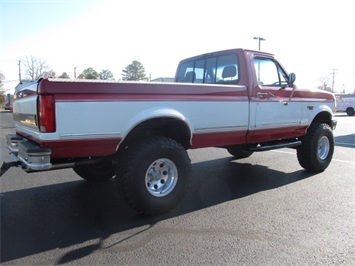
[35, 67]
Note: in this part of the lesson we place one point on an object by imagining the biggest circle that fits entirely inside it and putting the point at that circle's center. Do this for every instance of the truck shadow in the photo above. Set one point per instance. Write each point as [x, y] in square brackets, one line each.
[59, 216]
[341, 114]
[345, 141]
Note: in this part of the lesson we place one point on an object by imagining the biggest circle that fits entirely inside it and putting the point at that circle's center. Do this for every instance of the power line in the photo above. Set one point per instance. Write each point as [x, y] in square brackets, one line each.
[14, 80]
[5, 61]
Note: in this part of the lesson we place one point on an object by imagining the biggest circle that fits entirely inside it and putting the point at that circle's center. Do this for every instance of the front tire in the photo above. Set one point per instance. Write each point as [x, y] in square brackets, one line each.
[316, 151]
[154, 175]
[350, 111]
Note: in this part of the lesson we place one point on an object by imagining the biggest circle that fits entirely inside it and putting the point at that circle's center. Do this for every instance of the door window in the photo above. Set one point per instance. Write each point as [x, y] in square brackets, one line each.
[269, 73]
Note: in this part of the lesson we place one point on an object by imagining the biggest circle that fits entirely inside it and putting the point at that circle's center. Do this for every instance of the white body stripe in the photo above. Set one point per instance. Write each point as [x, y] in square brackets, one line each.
[115, 119]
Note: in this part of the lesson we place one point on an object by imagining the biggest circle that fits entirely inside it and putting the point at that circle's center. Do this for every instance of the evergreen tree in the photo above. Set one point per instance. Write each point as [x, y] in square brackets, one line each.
[106, 75]
[64, 76]
[89, 73]
[134, 71]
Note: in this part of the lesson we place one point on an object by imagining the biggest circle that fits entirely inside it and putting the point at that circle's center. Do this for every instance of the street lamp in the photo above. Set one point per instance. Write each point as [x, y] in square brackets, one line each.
[260, 39]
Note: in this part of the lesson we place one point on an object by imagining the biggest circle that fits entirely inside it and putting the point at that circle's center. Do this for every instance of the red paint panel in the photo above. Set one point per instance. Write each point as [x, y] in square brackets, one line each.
[263, 135]
[102, 147]
[299, 95]
[141, 97]
[218, 139]
[239, 137]
[132, 90]
[81, 148]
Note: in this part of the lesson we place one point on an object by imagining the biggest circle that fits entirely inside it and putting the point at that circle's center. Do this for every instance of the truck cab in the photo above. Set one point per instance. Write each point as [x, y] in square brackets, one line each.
[277, 109]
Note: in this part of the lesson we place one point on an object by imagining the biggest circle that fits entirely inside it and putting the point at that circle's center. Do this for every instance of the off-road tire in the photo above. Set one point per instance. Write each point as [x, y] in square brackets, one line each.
[153, 175]
[238, 152]
[97, 172]
[316, 151]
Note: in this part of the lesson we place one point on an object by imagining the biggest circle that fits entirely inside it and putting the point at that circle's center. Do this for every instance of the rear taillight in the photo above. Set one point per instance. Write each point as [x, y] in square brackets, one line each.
[46, 113]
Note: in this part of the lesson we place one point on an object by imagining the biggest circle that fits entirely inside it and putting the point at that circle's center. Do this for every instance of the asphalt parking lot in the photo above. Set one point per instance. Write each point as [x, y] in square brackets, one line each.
[262, 210]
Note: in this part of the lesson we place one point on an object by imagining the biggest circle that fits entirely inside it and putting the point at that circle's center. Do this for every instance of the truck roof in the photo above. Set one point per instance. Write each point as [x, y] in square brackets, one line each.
[229, 51]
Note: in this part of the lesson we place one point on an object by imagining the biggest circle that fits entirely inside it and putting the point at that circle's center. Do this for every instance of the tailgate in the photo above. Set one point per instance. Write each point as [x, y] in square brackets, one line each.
[25, 108]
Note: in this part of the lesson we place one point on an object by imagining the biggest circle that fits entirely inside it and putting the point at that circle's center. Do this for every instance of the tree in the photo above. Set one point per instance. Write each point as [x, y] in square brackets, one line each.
[35, 68]
[49, 74]
[89, 73]
[325, 83]
[134, 71]
[64, 76]
[106, 75]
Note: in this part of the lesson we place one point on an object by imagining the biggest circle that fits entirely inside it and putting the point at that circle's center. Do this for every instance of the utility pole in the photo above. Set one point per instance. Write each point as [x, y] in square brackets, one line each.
[333, 73]
[260, 39]
[19, 70]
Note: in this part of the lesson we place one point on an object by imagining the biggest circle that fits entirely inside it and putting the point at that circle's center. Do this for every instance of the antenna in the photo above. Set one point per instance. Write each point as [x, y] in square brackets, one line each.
[19, 70]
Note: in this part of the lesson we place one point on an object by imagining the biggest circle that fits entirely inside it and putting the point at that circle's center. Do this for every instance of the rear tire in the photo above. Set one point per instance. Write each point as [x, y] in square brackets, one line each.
[98, 172]
[316, 151]
[154, 175]
[238, 152]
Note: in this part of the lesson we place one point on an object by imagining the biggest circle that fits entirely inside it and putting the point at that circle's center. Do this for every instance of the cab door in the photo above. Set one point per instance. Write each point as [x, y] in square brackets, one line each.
[277, 113]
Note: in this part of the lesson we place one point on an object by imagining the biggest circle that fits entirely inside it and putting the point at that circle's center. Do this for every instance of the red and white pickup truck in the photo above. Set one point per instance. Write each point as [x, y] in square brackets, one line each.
[240, 100]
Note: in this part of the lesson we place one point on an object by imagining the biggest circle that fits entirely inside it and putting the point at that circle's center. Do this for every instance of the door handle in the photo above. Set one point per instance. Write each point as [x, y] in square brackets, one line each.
[262, 94]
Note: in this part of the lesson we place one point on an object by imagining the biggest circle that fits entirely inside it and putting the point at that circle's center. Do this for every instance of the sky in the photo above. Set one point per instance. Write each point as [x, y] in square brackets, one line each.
[311, 38]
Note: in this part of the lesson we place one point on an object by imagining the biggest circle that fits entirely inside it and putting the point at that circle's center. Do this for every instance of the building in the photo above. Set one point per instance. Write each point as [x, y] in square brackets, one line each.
[163, 80]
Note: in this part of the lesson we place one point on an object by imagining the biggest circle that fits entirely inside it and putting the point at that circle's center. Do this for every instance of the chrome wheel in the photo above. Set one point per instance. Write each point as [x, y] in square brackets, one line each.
[161, 177]
[316, 151]
[323, 148]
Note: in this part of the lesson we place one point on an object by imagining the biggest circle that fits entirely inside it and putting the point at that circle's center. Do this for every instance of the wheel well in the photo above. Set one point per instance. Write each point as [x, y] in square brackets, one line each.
[164, 126]
[323, 117]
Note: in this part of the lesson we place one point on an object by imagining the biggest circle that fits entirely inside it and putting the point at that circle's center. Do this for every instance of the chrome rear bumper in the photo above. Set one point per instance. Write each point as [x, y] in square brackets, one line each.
[27, 154]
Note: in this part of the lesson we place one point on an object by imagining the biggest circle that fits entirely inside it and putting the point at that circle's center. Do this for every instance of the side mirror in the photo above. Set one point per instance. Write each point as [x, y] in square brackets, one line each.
[291, 79]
